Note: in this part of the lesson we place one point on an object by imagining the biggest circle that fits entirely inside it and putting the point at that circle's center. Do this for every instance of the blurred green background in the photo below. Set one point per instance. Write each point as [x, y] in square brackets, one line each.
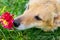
[17, 7]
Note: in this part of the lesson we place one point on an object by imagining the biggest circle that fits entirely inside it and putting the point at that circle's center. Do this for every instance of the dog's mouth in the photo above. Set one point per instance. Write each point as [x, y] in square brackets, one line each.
[23, 27]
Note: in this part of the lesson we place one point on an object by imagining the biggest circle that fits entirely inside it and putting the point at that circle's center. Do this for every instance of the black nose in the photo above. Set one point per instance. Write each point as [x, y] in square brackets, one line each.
[16, 23]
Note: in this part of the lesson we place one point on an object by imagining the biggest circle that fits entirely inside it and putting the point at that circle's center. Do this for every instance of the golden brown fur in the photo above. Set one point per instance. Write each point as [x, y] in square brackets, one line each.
[47, 10]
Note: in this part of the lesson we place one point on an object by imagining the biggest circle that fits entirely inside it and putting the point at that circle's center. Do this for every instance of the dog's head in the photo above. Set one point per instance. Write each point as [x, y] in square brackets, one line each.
[37, 14]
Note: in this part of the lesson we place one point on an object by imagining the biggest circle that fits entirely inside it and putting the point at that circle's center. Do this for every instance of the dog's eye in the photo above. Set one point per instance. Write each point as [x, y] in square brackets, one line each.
[37, 18]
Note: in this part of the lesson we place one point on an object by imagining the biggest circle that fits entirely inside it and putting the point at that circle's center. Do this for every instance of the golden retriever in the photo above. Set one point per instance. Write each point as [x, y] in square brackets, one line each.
[44, 14]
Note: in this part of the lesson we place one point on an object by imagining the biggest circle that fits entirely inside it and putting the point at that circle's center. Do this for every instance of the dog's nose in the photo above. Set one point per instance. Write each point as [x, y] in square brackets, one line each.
[16, 23]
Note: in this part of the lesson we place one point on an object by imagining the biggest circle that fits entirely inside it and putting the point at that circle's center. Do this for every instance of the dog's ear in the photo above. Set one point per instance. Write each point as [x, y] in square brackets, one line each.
[51, 19]
[54, 18]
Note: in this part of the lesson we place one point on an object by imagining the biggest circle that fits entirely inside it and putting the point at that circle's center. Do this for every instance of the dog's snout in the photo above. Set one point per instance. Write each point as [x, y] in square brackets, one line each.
[16, 23]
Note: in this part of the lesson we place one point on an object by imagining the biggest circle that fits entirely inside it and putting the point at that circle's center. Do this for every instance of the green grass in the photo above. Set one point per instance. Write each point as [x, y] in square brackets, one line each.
[17, 7]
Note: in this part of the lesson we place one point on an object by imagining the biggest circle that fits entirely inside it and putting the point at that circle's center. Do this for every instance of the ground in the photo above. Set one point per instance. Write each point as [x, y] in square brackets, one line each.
[17, 7]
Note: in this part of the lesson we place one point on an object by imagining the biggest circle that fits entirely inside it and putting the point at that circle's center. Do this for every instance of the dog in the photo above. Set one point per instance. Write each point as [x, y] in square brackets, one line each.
[43, 14]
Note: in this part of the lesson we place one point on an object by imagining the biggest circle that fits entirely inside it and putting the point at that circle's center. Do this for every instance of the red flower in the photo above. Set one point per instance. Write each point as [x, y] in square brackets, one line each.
[7, 20]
